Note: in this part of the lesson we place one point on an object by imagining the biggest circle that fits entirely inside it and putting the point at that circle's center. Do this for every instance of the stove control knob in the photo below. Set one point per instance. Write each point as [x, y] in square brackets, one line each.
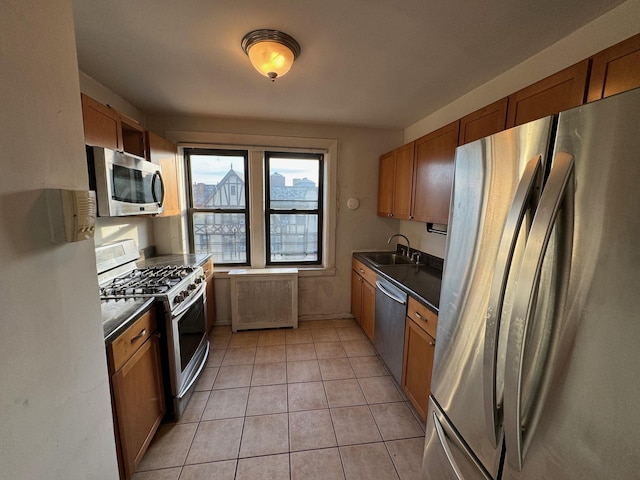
[191, 286]
[177, 299]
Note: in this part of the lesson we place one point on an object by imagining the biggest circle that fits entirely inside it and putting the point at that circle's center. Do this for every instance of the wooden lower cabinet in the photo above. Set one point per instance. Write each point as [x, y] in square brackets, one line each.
[419, 348]
[137, 391]
[363, 297]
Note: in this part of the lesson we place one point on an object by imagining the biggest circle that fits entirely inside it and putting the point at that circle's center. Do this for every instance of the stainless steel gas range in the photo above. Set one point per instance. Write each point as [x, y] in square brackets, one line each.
[180, 291]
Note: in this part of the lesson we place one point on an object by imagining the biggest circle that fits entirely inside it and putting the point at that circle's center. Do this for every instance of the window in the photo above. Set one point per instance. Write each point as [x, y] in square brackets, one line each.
[218, 204]
[267, 203]
[293, 213]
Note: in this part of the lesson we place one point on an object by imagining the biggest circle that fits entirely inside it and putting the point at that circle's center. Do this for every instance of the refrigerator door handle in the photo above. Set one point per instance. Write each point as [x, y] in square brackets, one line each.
[530, 181]
[524, 302]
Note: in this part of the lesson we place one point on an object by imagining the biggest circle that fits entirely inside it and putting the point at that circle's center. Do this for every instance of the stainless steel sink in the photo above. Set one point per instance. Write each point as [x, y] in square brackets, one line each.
[388, 258]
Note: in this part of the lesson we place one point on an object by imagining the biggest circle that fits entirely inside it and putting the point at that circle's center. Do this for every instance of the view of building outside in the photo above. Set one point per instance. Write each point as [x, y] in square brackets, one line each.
[220, 213]
[293, 189]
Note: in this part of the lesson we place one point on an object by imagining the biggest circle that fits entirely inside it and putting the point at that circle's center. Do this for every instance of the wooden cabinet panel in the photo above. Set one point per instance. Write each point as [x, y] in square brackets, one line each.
[484, 122]
[395, 183]
[134, 138]
[419, 349]
[386, 182]
[211, 294]
[615, 70]
[363, 297]
[561, 91]
[423, 316]
[364, 271]
[164, 153]
[131, 339]
[356, 296]
[368, 319]
[102, 126]
[433, 177]
[403, 182]
[136, 389]
[139, 402]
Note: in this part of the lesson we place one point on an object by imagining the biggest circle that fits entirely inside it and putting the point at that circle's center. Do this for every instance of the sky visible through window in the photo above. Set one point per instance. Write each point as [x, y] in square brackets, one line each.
[211, 169]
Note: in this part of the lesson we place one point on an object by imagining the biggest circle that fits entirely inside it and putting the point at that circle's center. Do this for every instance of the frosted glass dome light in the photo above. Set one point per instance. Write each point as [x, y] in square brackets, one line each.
[271, 52]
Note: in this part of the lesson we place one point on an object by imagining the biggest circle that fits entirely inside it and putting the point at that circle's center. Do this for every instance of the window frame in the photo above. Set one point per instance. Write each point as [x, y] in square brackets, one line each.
[268, 210]
[191, 209]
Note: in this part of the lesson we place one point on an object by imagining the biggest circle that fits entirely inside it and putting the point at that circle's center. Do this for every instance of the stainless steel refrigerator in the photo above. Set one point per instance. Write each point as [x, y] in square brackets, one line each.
[537, 362]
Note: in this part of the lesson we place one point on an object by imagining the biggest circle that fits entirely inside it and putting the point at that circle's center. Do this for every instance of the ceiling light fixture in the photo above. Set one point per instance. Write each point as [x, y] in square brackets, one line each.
[271, 52]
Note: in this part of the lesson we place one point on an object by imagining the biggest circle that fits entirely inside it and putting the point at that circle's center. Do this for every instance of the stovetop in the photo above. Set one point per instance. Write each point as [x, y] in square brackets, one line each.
[148, 281]
[120, 278]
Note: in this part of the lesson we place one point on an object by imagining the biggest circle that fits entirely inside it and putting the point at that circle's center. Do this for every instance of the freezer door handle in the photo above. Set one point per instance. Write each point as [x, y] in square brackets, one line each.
[524, 199]
[558, 184]
[445, 445]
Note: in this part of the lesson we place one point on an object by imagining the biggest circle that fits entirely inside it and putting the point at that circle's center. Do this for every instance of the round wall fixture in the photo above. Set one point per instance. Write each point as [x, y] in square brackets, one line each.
[353, 203]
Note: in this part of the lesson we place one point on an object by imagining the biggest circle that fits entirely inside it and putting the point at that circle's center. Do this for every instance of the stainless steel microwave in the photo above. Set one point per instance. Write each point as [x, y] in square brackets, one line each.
[124, 184]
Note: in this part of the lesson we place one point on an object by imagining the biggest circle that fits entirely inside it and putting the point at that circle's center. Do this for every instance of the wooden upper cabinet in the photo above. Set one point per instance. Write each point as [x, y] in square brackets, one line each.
[386, 181]
[615, 70]
[134, 138]
[403, 182]
[164, 153]
[102, 127]
[395, 183]
[484, 122]
[433, 176]
[561, 91]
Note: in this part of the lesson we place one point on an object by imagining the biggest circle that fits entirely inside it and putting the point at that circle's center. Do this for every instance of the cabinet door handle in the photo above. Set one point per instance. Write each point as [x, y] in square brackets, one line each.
[142, 333]
[432, 344]
[361, 270]
[420, 317]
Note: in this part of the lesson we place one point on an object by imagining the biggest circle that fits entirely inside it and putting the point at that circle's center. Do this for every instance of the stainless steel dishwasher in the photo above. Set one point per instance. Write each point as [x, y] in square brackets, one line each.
[391, 310]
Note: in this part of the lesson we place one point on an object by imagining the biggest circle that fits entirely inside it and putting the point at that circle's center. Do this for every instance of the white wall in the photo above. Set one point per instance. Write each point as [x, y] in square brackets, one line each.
[358, 152]
[607, 30]
[55, 410]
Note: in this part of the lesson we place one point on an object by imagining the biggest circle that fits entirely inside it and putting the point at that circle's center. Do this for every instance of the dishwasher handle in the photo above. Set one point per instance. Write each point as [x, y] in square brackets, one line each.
[395, 298]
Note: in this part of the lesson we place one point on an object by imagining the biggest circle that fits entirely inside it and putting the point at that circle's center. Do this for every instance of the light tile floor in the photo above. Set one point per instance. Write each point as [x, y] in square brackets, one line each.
[312, 403]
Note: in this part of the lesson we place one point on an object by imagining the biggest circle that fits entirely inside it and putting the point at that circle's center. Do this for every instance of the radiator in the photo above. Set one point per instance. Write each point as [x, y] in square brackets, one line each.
[264, 298]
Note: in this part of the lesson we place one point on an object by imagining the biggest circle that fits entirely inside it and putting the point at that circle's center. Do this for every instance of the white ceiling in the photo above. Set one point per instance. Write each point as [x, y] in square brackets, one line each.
[364, 62]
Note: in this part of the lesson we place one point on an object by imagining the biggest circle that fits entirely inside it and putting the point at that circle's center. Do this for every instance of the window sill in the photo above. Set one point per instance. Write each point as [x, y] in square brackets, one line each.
[223, 272]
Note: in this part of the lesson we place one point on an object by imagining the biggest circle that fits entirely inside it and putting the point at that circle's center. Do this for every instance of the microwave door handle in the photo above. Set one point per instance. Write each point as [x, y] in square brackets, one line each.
[559, 185]
[157, 177]
[530, 180]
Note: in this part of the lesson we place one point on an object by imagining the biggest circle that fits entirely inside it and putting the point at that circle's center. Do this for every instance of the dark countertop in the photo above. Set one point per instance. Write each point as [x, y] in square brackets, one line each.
[421, 282]
[117, 315]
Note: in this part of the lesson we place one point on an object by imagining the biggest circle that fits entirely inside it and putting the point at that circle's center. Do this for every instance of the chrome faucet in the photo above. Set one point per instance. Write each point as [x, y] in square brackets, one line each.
[406, 239]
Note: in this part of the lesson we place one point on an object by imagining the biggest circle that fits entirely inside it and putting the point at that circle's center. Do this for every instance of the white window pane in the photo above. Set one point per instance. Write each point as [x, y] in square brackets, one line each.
[293, 183]
[218, 181]
[222, 234]
[294, 238]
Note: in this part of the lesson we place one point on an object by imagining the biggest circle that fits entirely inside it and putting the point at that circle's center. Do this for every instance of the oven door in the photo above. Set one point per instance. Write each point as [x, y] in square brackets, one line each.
[188, 347]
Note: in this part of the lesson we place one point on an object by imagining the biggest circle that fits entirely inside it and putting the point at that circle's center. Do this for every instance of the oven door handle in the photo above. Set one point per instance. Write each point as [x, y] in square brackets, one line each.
[193, 298]
[196, 376]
